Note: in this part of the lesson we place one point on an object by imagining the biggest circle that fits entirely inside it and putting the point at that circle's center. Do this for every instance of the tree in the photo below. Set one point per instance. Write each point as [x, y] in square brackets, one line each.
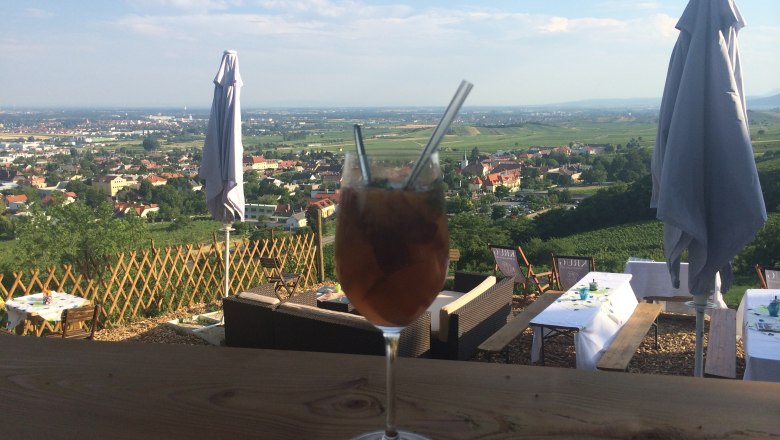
[459, 204]
[170, 200]
[596, 174]
[502, 192]
[145, 190]
[498, 212]
[474, 156]
[6, 227]
[150, 144]
[764, 249]
[312, 215]
[75, 232]
[565, 180]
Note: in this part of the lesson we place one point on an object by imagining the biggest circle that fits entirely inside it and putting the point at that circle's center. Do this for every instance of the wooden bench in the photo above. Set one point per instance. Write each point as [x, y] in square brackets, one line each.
[506, 334]
[722, 344]
[630, 337]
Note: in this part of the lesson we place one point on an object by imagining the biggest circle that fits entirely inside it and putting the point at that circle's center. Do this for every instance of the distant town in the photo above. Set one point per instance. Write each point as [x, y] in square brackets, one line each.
[146, 163]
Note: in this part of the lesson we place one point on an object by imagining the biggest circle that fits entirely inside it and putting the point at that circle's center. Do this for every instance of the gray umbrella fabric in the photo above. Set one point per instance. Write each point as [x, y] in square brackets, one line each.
[705, 184]
[222, 163]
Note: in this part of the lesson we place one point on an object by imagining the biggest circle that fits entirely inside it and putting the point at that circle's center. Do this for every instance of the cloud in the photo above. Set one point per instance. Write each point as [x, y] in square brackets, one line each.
[556, 24]
[194, 27]
[563, 24]
[38, 13]
[183, 5]
[336, 9]
[648, 5]
[664, 25]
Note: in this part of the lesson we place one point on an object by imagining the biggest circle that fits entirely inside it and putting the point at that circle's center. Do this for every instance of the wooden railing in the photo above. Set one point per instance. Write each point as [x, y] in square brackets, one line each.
[149, 282]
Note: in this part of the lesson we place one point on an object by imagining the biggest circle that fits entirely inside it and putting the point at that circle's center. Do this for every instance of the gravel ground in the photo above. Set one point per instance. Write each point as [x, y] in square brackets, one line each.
[675, 356]
[155, 330]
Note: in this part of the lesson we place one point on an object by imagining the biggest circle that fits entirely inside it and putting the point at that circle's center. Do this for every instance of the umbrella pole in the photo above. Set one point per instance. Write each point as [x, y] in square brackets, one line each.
[226, 282]
[700, 302]
[227, 227]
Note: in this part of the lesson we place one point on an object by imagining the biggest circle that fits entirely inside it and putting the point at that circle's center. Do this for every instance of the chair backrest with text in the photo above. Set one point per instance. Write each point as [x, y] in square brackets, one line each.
[512, 262]
[769, 277]
[567, 270]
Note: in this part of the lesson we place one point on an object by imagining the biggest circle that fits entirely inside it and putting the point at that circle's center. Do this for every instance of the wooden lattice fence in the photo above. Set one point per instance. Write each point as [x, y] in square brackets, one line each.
[152, 281]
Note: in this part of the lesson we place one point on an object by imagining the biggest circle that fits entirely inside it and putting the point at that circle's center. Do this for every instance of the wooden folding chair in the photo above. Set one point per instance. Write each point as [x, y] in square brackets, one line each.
[567, 270]
[74, 320]
[509, 259]
[769, 277]
[275, 274]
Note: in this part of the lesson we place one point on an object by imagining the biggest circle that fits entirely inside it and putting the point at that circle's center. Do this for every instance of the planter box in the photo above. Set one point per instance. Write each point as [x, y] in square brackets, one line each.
[205, 326]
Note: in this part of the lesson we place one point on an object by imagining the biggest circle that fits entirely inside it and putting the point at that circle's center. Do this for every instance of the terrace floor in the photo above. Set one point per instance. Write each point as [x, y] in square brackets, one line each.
[675, 357]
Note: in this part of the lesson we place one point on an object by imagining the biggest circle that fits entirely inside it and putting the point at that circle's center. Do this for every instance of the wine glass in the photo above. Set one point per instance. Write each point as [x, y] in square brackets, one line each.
[391, 248]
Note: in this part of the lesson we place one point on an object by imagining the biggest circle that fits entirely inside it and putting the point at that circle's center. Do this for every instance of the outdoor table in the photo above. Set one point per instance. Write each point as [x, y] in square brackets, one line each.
[66, 388]
[32, 308]
[336, 301]
[762, 348]
[594, 321]
[651, 281]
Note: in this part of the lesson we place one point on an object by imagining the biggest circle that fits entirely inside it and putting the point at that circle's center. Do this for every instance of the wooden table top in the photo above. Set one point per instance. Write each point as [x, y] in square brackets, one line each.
[147, 391]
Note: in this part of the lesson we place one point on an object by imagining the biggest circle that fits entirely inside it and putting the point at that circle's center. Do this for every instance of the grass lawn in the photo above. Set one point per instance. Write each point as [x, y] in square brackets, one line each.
[199, 231]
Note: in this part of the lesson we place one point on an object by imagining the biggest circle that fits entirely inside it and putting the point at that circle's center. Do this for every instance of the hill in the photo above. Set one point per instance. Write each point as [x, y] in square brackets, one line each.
[763, 103]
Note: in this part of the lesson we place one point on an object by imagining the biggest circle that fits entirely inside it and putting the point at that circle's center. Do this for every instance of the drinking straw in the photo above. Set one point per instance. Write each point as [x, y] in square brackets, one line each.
[362, 158]
[438, 133]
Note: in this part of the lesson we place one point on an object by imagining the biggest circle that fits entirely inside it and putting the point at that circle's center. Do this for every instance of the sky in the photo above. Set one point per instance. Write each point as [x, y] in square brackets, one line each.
[356, 53]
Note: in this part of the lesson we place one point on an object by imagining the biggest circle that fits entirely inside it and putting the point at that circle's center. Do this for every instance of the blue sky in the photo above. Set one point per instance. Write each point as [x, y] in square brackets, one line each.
[165, 53]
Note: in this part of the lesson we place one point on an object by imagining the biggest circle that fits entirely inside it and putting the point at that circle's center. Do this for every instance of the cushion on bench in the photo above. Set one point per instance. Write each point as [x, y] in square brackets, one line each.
[447, 310]
[270, 300]
[442, 299]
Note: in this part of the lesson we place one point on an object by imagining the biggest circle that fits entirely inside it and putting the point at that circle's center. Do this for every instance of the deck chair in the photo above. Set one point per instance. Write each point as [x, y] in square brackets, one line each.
[567, 270]
[769, 277]
[75, 320]
[275, 274]
[512, 262]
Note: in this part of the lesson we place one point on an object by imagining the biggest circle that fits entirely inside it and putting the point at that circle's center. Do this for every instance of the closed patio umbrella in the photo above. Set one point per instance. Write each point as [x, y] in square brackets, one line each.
[705, 184]
[222, 163]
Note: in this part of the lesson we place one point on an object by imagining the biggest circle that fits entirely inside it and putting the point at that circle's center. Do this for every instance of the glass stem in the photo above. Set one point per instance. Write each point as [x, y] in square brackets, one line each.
[392, 336]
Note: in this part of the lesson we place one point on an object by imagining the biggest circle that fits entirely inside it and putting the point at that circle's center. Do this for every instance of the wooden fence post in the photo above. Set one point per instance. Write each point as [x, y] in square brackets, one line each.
[320, 253]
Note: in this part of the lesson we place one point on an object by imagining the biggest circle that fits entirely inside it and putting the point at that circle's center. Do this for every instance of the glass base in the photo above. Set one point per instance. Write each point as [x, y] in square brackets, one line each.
[380, 435]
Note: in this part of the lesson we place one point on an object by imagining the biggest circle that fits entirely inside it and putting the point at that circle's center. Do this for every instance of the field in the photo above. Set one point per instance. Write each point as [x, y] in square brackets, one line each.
[336, 135]
[487, 140]
[764, 128]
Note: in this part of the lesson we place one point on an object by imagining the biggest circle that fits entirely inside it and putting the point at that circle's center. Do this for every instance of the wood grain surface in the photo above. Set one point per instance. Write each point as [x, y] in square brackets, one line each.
[147, 391]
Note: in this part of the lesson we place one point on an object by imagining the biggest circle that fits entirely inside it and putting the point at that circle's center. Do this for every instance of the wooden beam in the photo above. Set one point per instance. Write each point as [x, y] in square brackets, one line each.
[140, 391]
[629, 338]
[722, 344]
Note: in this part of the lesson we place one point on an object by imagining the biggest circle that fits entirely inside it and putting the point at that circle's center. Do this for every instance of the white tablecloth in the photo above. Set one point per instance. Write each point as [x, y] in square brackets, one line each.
[596, 320]
[20, 308]
[762, 349]
[651, 278]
